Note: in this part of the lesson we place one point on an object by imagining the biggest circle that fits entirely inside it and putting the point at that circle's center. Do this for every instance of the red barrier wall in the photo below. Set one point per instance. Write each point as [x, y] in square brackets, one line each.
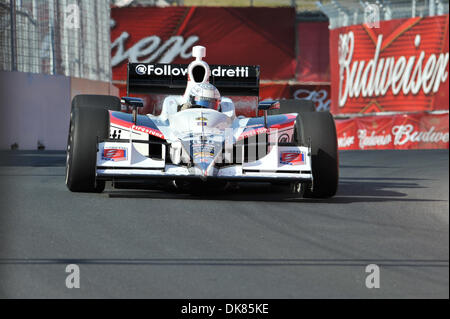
[313, 54]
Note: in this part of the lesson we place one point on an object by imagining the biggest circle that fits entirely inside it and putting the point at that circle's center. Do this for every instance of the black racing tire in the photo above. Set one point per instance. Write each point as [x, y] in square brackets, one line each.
[87, 125]
[320, 129]
[293, 106]
[107, 102]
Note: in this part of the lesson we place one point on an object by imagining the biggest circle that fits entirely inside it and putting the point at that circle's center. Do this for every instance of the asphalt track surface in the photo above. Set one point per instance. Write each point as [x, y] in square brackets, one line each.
[391, 210]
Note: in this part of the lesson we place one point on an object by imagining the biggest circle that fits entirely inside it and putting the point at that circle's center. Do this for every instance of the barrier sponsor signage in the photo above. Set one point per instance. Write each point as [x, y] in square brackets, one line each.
[411, 131]
[400, 66]
[238, 36]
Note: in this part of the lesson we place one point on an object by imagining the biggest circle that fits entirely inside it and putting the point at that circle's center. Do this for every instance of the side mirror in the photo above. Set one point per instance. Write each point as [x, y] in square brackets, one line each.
[269, 105]
[132, 101]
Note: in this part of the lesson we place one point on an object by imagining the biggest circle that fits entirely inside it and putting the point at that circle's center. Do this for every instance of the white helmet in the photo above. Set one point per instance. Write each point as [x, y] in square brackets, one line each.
[204, 95]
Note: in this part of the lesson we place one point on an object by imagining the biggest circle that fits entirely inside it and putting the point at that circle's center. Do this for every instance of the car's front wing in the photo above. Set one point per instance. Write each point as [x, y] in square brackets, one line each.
[121, 161]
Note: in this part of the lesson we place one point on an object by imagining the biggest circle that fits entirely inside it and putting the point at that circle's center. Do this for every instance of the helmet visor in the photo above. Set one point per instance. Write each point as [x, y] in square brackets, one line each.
[209, 103]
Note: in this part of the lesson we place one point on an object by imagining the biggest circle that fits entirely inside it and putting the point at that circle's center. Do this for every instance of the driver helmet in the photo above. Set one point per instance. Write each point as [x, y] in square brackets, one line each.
[204, 95]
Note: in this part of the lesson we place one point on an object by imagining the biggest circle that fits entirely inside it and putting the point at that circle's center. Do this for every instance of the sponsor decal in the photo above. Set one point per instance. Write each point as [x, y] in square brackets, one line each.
[171, 70]
[283, 138]
[202, 121]
[292, 158]
[124, 120]
[116, 154]
[203, 151]
[283, 123]
[238, 71]
[251, 133]
[165, 70]
[141, 69]
[147, 131]
[204, 154]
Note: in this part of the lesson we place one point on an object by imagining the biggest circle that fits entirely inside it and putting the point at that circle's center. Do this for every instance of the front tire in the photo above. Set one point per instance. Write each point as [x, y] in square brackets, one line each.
[87, 125]
[320, 129]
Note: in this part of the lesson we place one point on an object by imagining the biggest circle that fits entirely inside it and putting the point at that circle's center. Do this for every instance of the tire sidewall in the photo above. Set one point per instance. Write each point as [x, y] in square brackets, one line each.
[88, 125]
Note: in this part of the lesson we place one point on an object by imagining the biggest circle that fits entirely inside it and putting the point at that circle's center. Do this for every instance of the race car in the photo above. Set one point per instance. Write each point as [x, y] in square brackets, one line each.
[198, 139]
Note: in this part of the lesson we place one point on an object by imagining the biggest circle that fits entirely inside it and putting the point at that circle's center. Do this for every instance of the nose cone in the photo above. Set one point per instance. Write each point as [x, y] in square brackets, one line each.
[203, 167]
[203, 171]
[203, 151]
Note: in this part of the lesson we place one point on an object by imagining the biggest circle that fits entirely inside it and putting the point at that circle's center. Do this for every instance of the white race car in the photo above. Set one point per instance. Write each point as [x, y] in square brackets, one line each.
[197, 139]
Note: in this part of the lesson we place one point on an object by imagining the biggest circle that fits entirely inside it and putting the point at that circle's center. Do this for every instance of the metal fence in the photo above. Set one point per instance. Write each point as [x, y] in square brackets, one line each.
[67, 37]
[349, 12]
[300, 5]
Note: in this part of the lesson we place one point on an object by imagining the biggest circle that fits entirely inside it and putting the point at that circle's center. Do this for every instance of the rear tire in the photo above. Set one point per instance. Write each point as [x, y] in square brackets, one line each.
[87, 125]
[320, 129]
[108, 102]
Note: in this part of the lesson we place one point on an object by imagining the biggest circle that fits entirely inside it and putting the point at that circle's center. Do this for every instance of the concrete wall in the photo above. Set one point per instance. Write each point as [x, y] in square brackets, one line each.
[36, 107]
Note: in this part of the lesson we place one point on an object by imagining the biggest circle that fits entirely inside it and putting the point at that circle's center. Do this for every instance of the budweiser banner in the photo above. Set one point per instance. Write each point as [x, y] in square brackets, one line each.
[400, 66]
[248, 36]
[402, 131]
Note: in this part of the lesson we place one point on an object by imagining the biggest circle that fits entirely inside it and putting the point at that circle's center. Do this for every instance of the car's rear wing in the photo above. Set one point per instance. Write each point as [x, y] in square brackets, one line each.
[235, 80]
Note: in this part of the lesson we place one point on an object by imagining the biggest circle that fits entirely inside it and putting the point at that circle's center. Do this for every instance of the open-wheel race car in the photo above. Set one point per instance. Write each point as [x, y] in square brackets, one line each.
[198, 139]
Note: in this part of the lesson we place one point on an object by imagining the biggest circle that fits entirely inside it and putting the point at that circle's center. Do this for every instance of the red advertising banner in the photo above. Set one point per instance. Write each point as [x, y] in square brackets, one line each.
[400, 66]
[402, 131]
[253, 36]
